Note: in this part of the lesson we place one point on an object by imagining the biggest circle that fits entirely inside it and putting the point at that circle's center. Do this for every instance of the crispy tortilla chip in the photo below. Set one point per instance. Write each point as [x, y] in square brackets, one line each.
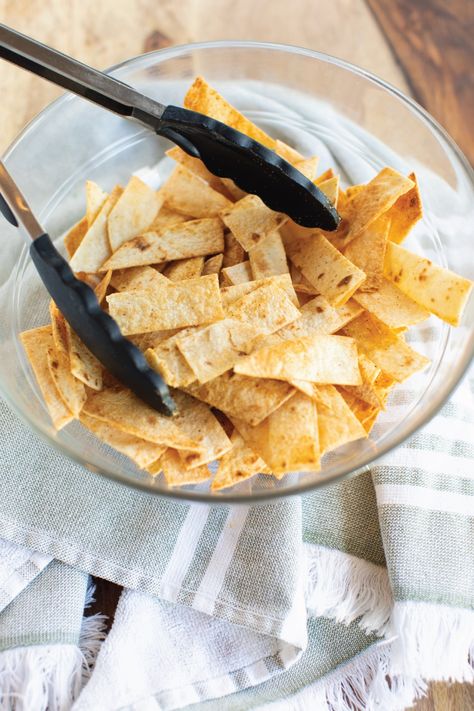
[211, 350]
[267, 309]
[327, 175]
[196, 166]
[283, 281]
[368, 252]
[405, 213]
[250, 399]
[136, 279]
[238, 464]
[102, 286]
[36, 343]
[392, 306]
[268, 258]
[330, 188]
[84, 365]
[364, 411]
[166, 358]
[287, 152]
[213, 265]
[184, 269]
[75, 236]
[377, 197]
[195, 419]
[354, 190]
[319, 359]
[387, 350]
[144, 341]
[175, 473]
[126, 412]
[60, 330]
[196, 238]
[287, 440]
[71, 390]
[337, 424]
[166, 217]
[203, 98]
[133, 213]
[368, 391]
[439, 290]
[187, 193]
[308, 166]
[234, 253]
[140, 451]
[94, 248]
[95, 199]
[332, 274]
[368, 370]
[237, 274]
[171, 305]
[234, 191]
[300, 283]
[250, 221]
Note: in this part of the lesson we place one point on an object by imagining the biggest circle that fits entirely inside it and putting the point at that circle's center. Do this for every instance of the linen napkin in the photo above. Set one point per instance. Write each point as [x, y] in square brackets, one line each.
[307, 603]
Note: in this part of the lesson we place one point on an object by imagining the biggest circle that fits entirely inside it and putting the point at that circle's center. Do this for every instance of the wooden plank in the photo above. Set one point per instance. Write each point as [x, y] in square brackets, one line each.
[434, 43]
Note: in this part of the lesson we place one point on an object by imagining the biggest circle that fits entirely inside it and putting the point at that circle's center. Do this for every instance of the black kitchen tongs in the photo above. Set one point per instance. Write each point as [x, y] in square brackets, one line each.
[226, 153]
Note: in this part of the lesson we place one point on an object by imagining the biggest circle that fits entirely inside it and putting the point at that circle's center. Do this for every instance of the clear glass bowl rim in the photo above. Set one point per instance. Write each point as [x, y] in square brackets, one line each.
[437, 402]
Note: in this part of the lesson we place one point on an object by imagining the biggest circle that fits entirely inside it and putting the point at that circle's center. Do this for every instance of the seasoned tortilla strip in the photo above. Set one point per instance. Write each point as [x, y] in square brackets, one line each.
[337, 424]
[36, 343]
[95, 199]
[237, 274]
[140, 451]
[196, 238]
[238, 464]
[136, 279]
[196, 166]
[319, 359]
[213, 265]
[166, 358]
[250, 399]
[126, 412]
[368, 253]
[288, 439]
[250, 221]
[287, 152]
[172, 305]
[133, 212]
[392, 306]
[384, 347]
[203, 98]
[267, 309]
[268, 258]
[184, 269]
[300, 283]
[185, 192]
[174, 472]
[234, 253]
[439, 290]
[166, 217]
[71, 390]
[75, 236]
[101, 288]
[94, 248]
[283, 281]
[330, 188]
[332, 275]
[308, 166]
[405, 213]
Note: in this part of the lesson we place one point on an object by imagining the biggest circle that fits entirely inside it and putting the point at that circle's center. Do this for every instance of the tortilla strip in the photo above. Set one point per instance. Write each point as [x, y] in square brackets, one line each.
[211, 350]
[144, 341]
[136, 279]
[238, 464]
[140, 451]
[332, 274]
[300, 283]
[75, 236]
[184, 269]
[196, 238]
[250, 399]
[368, 253]
[176, 475]
[94, 248]
[234, 191]
[196, 166]
[84, 365]
[36, 343]
[237, 274]
[319, 359]
[213, 265]
[167, 217]
[185, 192]
[307, 166]
[283, 281]
[439, 290]
[392, 306]
[234, 253]
[368, 391]
[95, 199]
[267, 309]
[126, 412]
[71, 390]
[384, 347]
[287, 152]
[133, 212]
[364, 411]
[250, 221]
[101, 288]
[374, 199]
[405, 213]
[330, 188]
[287, 440]
[195, 419]
[166, 358]
[337, 424]
[268, 258]
[203, 98]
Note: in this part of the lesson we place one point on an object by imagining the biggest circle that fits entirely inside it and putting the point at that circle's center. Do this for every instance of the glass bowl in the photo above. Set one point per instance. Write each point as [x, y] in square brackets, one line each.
[318, 104]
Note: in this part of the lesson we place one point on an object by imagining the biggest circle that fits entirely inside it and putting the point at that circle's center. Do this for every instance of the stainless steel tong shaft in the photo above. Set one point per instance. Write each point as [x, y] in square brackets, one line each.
[17, 204]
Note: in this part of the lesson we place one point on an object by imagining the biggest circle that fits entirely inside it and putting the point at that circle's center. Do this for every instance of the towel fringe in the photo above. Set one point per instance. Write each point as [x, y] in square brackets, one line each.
[343, 587]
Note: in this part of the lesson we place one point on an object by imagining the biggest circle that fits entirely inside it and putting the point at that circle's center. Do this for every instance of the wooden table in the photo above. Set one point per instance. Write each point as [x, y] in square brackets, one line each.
[426, 48]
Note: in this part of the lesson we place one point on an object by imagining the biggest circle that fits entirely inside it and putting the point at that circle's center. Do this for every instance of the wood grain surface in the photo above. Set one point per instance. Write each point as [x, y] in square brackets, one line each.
[424, 48]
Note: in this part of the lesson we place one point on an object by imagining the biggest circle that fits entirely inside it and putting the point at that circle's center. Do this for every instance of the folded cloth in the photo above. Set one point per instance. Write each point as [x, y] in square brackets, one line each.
[350, 597]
